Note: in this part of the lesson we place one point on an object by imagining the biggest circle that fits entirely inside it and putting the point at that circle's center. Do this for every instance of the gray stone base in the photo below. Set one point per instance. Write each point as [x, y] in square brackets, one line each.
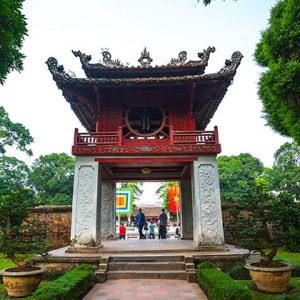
[78, 249]
[101, 276]
[109, 237]
[61, 260]
[217, 248]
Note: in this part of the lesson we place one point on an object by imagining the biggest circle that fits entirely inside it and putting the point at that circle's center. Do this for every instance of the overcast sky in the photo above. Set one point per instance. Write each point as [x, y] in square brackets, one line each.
[126, 27]
[165, 27]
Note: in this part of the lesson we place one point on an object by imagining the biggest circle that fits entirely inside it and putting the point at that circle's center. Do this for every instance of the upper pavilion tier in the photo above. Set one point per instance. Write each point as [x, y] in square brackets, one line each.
[179, 81]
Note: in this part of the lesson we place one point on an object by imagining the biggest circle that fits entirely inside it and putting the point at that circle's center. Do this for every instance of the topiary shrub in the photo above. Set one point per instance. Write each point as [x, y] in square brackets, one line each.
[219, 285]
[72, 285]
[238, 272]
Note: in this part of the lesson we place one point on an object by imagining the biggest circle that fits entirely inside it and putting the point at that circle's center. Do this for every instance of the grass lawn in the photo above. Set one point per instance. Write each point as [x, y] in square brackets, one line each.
[292, 257]
[4, 262]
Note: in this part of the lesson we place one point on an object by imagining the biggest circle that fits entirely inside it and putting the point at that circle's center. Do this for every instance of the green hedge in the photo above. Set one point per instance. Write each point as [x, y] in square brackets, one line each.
[72, 285]
[219, 285]
[238, 272]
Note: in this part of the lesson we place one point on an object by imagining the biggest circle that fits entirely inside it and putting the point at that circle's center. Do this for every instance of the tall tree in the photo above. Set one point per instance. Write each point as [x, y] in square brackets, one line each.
[287, 169]
[237, 176]
[52, 178]
[13, 134]
[279, 52]
[14, 188]
[12, 33]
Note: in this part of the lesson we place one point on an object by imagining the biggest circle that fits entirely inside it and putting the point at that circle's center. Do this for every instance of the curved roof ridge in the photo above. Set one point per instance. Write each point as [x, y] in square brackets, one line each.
[228, 70]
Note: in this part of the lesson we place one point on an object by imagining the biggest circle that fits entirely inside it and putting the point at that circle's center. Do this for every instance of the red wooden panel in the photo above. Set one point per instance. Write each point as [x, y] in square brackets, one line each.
[180, 117]
[146, 160]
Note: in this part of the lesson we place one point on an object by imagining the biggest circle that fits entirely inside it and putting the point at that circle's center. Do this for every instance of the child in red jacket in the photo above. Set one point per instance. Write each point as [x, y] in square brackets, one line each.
[122, 232]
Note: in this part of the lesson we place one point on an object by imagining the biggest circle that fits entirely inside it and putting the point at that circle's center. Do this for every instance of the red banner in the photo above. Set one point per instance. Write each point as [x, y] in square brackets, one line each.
[174, 198]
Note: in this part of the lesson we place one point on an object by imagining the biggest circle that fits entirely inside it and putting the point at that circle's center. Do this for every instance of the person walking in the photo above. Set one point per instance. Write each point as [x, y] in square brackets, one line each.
[177, 232]
[163, 218]
[151, 230]
[140, 222]
[122, 232]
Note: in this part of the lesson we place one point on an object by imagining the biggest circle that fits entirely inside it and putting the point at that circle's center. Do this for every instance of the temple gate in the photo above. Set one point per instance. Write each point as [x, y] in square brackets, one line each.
[146, 123]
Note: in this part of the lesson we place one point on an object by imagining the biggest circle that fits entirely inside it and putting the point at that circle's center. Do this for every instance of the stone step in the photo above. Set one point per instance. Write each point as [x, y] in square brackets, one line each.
[147, 266]
[146, 258]
[180, 275]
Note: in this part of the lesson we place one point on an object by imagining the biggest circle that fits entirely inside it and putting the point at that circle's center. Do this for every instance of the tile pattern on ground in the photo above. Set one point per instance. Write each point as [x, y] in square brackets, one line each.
[146, 289]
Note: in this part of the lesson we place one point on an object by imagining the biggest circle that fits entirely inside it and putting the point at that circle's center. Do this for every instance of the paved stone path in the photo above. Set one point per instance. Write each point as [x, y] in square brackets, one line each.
[146, 289]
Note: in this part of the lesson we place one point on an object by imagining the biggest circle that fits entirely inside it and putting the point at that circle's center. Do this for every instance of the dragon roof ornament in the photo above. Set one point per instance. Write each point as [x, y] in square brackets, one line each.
[55, 69]
[204, 56]
[84, 59]
[182, 57]
[232, 64]
[110, 62]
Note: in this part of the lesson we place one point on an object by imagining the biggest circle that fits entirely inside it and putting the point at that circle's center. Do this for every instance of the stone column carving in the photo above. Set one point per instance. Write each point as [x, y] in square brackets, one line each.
[186, 210]
[208, 225]
[108, 209]
[86, 208]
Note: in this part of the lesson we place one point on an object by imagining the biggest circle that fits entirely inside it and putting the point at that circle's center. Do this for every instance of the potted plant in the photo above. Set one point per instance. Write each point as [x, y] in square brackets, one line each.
[265, 222]
[18, 236]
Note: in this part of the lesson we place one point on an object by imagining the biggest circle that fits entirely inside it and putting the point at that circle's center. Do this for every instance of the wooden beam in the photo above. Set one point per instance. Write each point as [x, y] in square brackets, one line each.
[184, 170]
[108, 171]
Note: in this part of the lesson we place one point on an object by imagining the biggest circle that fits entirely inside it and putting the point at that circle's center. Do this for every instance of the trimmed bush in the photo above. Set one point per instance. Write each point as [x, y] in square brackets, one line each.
[239, 272]
[293, 296]
[72, 285]
[219, 285]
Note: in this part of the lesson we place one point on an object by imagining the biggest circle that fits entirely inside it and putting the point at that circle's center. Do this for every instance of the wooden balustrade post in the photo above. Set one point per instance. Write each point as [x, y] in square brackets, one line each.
[119, 136]
[171, 135]
[216, 135]
[75, 137]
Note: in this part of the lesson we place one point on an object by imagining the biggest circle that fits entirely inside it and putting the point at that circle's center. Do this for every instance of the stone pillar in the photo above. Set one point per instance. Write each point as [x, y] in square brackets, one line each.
[86, 208]
[108, 209]
[186, 210]
[207, 213]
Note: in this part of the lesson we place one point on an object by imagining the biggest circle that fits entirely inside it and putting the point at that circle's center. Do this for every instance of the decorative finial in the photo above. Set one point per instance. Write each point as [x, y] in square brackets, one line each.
[182, 57]
[145, 60]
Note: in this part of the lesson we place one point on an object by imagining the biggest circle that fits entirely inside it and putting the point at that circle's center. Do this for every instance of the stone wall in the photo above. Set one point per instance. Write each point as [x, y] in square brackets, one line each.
[58, 221]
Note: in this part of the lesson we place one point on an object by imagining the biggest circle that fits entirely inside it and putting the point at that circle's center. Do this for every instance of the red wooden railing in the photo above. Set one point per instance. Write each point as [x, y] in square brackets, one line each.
[196, 137]
[93, 138]
[176, 137]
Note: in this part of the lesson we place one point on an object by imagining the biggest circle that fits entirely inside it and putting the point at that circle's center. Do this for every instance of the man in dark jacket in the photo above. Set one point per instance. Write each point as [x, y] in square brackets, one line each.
[163, 218]
[140, 222]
